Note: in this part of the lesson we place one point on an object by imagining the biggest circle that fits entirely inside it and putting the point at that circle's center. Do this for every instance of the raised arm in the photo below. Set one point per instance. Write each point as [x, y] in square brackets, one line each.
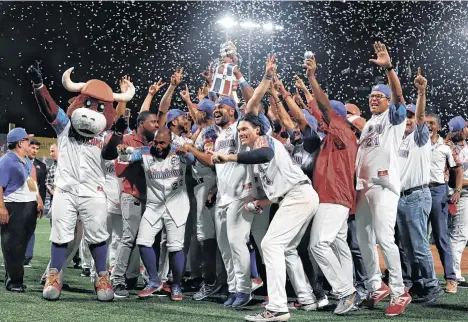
[293, 107]
[270, 72]
[152, 90]
[321, 98]
[283, 116]
[122, 106]
[176, 79]
[47, 105]
[300, 85]
[185, 95]
[383, 60]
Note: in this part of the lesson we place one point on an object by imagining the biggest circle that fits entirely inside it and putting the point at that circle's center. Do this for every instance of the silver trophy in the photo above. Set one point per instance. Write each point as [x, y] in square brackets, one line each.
[308, 55]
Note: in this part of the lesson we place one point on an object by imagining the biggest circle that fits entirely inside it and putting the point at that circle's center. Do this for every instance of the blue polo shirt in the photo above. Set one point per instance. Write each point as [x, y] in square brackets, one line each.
[13, 176]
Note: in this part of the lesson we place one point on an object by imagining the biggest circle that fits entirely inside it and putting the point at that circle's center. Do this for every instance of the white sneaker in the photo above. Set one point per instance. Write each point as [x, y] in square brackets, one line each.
[322, 302]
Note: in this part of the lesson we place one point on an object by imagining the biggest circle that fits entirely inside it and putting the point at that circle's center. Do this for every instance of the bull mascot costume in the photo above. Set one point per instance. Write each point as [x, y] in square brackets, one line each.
[80, 174]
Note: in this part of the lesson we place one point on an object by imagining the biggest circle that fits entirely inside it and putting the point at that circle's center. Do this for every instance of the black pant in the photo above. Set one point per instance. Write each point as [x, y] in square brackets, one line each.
[15, 236]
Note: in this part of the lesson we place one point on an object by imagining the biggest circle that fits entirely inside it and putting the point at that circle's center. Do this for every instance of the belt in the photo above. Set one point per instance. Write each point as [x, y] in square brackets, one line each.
[300, 183]
[436, 184]
[409, 191]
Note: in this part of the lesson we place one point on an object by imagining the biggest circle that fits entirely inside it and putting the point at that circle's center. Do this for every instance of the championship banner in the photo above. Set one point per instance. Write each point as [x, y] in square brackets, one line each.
[223, 79]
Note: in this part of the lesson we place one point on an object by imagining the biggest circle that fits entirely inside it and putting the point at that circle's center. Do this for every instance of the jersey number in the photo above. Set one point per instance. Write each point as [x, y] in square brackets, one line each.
[175, 186]
[372, 141]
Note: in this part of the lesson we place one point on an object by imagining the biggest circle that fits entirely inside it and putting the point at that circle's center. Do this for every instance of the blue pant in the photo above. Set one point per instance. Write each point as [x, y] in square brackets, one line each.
[439, 221]
[30, 247]
[360, 274]
[412, 221]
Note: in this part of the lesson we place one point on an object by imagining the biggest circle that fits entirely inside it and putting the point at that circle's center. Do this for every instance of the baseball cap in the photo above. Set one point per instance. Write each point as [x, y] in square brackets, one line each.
[206, 105]
[310, 119]
[357, 121]
[384, 89]
[353, 109]
[457, 124]
[226, 100]
[174, 113]
[411, 108]
[17, 135]
[339, 108]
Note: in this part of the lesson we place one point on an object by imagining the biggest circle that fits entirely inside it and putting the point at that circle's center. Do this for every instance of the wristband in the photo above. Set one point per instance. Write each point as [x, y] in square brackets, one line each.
[243, 83]
[389, 68]
[458, 190]
[240, 79]
[277, 102]
[285, 95]
[269, 77]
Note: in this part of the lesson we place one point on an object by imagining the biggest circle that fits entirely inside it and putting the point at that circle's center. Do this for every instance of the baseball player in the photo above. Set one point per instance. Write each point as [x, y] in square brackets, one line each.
[283, 182]
[378, 186]
[416, 200]
[166, 206]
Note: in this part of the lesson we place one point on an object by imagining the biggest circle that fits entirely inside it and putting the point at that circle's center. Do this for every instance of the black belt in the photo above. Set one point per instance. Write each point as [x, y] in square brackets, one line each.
[436, 184]
[300, 183]
[409, 191]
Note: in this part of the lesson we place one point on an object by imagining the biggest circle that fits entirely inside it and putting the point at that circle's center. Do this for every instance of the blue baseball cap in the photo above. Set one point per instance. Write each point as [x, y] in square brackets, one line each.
[411, 108]
[384, 89]
[17, 135]
[206, 105]
[339, 108]
[226, 100]
[174, 113]
[310, 119]
[457, 124]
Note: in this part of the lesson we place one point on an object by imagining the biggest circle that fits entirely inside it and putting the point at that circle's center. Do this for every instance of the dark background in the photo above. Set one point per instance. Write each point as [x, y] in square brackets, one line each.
[148, 40]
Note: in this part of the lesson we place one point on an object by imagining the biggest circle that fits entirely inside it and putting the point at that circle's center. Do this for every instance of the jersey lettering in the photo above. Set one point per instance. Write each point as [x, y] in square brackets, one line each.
[165, 174]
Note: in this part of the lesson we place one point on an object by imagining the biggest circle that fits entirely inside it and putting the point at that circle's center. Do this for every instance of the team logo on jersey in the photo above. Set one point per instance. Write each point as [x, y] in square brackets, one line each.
[209, 146]
[175, 162]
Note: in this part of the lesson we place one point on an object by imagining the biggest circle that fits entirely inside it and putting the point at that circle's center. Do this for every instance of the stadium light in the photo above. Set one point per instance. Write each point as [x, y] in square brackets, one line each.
[227, 22]
[268, 26]
[249, 25]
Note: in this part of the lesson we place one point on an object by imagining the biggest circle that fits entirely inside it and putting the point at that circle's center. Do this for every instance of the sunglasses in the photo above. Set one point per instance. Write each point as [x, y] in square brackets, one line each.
[377, 96]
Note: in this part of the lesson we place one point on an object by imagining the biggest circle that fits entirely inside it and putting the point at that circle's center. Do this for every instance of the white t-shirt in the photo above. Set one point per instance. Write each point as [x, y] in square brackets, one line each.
[80, 167]
[377, 157]
[441, 158]
[415, 158]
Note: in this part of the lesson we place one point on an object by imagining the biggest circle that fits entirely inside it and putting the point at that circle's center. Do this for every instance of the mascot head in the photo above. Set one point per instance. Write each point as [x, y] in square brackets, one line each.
[92, 111]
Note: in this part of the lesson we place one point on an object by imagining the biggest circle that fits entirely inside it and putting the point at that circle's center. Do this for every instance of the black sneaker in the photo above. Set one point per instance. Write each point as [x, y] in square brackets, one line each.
[131, 283]
[16, 288]
[27, 263]
[120, 291]
[206, 290]
[76, 263]
[85, 272]
[429, 296]
[347, 303]
[463, 284]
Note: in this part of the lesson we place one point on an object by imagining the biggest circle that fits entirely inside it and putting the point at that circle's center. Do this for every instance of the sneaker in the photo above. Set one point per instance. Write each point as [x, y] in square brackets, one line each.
[428, 296]
[347, 303]
[131, 283]
[149, 290]
[242, 299]
[85, 272]
[166, 288]
[103, 286]
[265, 302]
[322, 302]
[231, 298]
[268, 316]
[16, 288]
[376, 296]
[176, 293]
[120, 291]
[398, 304]
[300, 306]
[27, 263]
[207, 290]
[256, 283]
[52, 286]
[76, 263]
[462, 284]
[451, 287]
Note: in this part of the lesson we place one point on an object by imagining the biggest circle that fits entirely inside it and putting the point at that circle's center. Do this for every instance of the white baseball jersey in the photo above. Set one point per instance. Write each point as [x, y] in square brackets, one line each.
[113, 185]
[279, 175]
[377, 160]
[300, 156]
[442, 157]
[415, 158]
[204, 143]
[80, 167]
[179, 141]
[165, 180]
[233, 180]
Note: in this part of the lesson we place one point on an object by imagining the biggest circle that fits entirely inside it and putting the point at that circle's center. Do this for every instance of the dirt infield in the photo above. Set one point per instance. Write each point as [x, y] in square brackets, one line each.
[438, 265]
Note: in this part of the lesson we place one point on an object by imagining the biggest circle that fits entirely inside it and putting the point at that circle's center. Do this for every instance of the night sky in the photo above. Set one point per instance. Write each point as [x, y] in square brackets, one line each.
[148, 40]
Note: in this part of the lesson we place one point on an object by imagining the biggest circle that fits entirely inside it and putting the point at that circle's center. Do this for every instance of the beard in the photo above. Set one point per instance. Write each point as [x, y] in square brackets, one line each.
[160, 154]
[224, 120]
[149, 136]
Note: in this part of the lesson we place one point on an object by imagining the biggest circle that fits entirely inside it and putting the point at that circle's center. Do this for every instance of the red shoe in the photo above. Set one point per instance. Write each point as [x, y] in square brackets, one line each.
[166, 288]
[265, 303]
[398, 305]
[149, 290]
[375, 297]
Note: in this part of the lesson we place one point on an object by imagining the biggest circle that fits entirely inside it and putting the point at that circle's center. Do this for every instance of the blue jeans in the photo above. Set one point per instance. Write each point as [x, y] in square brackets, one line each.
[439, 220]
[30, 248]
[412, 220]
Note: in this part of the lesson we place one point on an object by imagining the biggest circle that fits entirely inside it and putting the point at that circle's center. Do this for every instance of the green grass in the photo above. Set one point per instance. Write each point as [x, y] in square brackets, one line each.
[80, 303]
